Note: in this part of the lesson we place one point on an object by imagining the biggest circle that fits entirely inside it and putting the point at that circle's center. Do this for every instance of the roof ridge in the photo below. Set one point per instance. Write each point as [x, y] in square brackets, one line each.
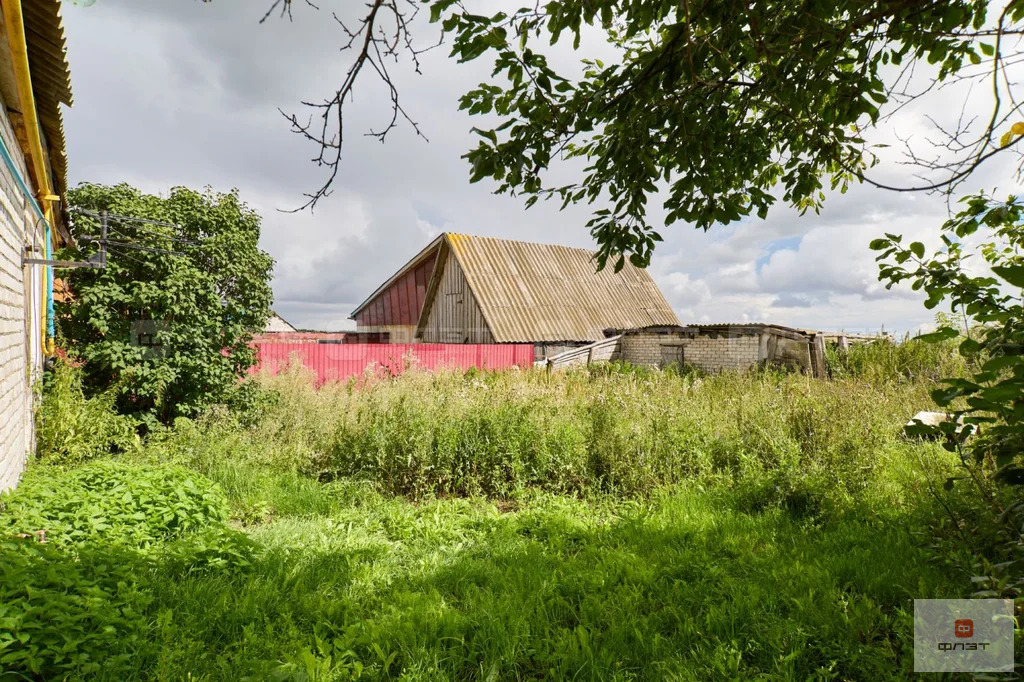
[464, 235]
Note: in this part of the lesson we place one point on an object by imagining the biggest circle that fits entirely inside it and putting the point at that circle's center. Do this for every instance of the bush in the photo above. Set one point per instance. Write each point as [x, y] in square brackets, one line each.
[71, 428]
[111, 502]
[80, 604]
[200, 286]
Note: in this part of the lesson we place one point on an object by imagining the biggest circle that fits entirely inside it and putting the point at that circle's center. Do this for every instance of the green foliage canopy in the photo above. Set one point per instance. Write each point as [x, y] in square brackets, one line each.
[201, 288]
[719, 102]
[993, 396]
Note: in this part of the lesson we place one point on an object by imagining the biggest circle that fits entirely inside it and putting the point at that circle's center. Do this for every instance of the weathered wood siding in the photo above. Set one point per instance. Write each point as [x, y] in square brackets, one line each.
[455, 316]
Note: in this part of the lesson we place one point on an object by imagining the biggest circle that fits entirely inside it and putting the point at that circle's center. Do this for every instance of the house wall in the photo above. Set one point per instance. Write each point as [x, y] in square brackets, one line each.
[277, 325]
[20, 293]
[396, 310]
[454, 316]
[712, 350]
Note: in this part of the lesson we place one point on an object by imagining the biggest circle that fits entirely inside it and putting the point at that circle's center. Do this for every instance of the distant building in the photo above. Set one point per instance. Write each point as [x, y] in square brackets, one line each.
[278, 330]
[465, 289]
[277, 324]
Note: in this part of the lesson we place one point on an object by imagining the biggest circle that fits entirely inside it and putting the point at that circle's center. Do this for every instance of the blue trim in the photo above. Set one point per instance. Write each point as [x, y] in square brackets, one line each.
[9, 160]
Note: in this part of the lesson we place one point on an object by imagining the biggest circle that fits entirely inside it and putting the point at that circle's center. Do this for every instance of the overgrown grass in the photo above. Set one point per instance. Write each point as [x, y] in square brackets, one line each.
[886, 361]
[76, 428]
[622, 433]
[623, 525]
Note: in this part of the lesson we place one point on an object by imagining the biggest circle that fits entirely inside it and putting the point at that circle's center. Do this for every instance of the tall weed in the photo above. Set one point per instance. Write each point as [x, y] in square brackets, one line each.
[70, 428]
[906, 361]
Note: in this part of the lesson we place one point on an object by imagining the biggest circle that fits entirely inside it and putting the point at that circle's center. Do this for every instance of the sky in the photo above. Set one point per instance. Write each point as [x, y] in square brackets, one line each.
[178, 92]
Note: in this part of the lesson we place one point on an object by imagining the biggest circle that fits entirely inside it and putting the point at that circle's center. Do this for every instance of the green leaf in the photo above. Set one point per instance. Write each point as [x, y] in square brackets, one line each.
[941, 334]
[969, 347]
[1014, 274]
[999, 362]
[1010, 475]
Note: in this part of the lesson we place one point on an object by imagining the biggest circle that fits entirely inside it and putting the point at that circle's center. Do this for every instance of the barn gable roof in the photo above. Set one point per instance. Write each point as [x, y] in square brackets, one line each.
[413, 262]
[529, 292]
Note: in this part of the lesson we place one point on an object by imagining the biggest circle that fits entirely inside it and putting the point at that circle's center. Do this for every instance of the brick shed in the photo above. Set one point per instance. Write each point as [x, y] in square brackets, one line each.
[710, 347]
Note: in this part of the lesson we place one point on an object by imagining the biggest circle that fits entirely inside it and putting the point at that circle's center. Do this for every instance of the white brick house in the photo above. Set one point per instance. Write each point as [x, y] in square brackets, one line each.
[34, 83]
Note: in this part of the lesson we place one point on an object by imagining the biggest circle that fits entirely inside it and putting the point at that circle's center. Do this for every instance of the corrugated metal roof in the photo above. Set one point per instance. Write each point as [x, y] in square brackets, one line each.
[532, 293]
[51, 78]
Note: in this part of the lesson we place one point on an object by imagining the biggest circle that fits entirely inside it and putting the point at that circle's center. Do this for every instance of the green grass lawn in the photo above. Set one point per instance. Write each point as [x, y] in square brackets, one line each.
[205, 555]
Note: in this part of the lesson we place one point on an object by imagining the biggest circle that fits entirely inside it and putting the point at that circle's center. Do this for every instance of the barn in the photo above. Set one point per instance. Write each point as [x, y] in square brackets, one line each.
[467, 289]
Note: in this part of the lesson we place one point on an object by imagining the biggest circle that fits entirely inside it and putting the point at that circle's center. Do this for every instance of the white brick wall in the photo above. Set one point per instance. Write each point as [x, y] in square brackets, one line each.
[711, 355]
[20, 292]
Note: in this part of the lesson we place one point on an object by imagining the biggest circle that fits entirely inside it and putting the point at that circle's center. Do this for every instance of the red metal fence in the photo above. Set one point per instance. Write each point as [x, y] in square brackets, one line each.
[334, 361]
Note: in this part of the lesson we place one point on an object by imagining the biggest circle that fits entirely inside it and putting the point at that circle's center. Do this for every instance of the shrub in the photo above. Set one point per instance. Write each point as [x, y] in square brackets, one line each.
[81, 605]
[71, 428]
[111, 502]
[200, 286]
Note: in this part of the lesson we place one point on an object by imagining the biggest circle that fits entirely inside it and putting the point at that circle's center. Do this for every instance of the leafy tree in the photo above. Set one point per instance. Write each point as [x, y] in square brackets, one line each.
[726, 107]
[987, 408]
[167, 321]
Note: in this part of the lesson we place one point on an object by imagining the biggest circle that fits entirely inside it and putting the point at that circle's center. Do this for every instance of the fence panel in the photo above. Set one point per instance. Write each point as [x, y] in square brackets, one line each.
[336, 362]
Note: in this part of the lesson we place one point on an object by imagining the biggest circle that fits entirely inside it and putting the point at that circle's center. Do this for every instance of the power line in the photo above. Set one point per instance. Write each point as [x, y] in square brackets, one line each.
[122, 254]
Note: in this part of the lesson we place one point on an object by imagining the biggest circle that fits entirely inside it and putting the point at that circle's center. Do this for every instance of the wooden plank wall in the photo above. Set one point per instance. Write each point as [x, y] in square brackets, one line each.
[454, 316]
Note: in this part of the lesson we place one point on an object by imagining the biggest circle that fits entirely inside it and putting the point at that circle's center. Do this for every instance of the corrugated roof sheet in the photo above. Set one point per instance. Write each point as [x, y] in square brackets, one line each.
[51, 78]
[532, 293]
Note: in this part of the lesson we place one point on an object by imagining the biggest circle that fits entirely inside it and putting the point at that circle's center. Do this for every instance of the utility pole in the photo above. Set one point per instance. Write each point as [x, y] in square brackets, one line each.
[103, 239]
